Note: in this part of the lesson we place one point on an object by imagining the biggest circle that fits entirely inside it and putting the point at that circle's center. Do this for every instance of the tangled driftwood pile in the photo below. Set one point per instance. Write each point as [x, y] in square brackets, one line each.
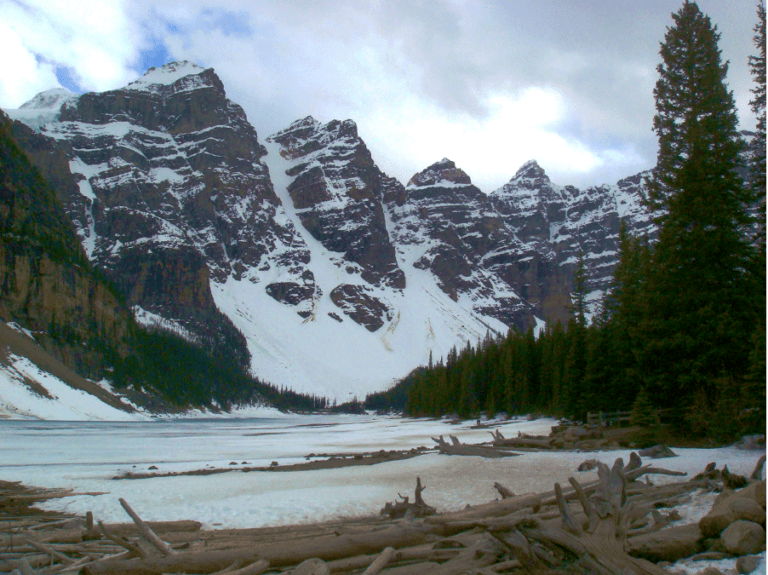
[608, 526]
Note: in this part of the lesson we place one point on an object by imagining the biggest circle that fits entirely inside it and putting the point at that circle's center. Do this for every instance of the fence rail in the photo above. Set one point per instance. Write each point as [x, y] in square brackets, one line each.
[619, 417]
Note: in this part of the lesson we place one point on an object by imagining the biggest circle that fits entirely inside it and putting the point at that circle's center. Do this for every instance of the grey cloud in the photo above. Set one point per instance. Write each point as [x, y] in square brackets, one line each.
[343, 58]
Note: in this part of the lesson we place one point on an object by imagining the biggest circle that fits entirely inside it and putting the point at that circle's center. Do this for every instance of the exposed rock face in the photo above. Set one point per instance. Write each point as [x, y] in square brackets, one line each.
[46, 282]
[359, 305]
[555, 224]
[447, 225]
[336, 190]
[173, 196]
[171, 193]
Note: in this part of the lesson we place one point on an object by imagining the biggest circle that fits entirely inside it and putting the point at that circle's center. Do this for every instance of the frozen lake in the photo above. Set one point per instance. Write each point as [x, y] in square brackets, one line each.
[86, 455]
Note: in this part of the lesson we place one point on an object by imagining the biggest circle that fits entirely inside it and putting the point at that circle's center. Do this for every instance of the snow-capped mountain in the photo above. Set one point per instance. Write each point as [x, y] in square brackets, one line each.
[337, 278]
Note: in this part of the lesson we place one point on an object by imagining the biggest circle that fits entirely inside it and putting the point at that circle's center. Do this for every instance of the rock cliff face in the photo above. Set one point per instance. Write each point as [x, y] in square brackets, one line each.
[334, 277]
[46, 282]
[336, 190]
[554, 224]
[171, 193]
[447, 225]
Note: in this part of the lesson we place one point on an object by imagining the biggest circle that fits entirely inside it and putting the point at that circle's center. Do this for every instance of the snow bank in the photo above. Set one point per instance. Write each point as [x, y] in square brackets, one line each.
[48, 397]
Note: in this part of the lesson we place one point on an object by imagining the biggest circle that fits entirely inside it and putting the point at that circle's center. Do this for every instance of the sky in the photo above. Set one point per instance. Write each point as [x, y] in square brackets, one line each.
[489, 85]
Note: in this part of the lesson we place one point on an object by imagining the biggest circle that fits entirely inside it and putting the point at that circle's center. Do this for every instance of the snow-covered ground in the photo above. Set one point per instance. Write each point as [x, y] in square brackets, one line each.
[86, 455]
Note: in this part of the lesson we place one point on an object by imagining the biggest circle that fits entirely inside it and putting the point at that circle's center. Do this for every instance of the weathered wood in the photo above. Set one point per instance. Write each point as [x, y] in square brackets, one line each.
[381, 561]
[148, 534]
[131, 547]
[278, 554]
[493, 509]
[312, 566]
[503, 491]
[569, 522]
[458, 448]
[24, 567]
[159, 527]
[397, 509]
[500, 441]
[757, 472]
[50, 551]
[600, 547]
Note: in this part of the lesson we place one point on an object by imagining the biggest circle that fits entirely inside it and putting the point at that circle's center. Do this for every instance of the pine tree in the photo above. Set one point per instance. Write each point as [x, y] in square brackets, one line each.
[757, 69]
[576, 360]
[697, 296]
[624, 306]
[756, 375]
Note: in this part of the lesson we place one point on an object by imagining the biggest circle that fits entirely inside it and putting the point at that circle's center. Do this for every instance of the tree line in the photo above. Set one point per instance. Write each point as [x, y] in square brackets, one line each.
[683, 323]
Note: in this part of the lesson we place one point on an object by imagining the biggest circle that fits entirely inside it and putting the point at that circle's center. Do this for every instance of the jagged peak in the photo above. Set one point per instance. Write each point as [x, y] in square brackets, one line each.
[167, 74]
[304, 123]
[304, 127]
[52, 99]
[530, 169]
[440, 173]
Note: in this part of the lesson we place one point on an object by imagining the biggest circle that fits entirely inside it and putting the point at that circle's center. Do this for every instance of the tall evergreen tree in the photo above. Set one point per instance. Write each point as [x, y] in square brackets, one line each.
[755, 388]
[697, 296]
[576, 360]
[757, 69]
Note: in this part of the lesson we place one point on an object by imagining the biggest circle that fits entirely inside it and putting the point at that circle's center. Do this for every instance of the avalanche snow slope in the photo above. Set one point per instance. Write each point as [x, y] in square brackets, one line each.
[342, 359]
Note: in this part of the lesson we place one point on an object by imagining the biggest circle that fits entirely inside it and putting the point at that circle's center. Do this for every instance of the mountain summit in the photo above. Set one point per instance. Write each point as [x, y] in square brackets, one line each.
[322, 273]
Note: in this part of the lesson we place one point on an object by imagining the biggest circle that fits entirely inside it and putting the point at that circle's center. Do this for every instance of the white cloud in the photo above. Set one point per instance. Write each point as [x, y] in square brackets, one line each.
[21, 75]
[490, 149]
[489, 85]
[94, 38]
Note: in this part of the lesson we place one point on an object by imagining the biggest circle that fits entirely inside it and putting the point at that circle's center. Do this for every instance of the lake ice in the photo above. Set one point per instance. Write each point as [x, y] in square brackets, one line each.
[86, 455]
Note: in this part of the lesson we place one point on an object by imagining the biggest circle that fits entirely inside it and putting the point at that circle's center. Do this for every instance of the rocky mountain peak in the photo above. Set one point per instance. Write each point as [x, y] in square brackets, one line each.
[532, 174]
[45, 107]
[443, 173]
[49, 100]
[167, 75]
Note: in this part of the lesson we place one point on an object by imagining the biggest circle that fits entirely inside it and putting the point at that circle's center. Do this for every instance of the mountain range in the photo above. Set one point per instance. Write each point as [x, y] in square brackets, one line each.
[323, 273]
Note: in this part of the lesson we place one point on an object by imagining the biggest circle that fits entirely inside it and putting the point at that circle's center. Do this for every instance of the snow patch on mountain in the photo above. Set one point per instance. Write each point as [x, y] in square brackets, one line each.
[169, 74]
[326, 352]
[44, 108]
[26, 391]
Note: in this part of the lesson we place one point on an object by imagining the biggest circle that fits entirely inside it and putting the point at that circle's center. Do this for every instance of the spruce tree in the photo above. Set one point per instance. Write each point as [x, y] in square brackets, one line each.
[576, 360]
[757, 69]
[697, 297]
[756, 375]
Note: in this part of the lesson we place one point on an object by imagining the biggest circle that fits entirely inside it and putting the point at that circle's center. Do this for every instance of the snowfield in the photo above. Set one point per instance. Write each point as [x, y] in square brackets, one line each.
[85, 456]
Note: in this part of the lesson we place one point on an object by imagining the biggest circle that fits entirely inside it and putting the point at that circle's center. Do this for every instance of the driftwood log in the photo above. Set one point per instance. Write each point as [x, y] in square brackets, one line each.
[418, 508]
[458, 448]
[598, 527]
[519, 442]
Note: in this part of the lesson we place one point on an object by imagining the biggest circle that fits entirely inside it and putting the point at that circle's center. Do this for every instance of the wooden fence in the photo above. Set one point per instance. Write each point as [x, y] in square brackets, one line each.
[620, 417]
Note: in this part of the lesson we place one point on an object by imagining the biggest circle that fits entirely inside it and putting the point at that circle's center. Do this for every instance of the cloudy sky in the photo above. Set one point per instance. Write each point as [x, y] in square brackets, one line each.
[486, 84]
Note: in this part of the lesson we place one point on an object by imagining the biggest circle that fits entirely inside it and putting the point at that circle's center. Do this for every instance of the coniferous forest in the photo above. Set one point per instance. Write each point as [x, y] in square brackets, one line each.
[683, 323]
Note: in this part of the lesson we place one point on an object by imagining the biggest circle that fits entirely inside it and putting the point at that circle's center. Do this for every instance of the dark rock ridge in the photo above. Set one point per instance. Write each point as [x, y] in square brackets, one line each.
[46, 282]
[554, 224]
[171, 194]
[447, 225]
[168, 188]
[336, 189]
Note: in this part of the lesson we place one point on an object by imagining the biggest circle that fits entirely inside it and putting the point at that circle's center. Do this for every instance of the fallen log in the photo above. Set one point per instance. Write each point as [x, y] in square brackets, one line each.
[159, 527]
[148, 534]
[500, 441]
[493, 509]
[503, 491]
[278, 554]
[458, 448]
[381, 561]
[599, 547]
[419, 508]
